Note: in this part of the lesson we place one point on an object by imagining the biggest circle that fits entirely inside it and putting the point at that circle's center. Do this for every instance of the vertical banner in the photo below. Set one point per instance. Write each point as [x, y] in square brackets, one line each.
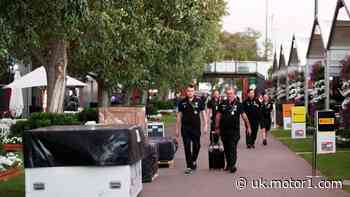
[326, 132]
[298, 122]
[287, 116]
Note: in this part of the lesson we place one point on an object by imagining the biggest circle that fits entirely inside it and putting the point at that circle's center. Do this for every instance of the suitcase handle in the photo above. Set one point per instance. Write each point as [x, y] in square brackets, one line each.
[212, 133]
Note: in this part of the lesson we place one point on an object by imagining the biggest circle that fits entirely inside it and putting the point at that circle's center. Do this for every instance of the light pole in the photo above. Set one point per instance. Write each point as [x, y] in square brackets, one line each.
[266, 28]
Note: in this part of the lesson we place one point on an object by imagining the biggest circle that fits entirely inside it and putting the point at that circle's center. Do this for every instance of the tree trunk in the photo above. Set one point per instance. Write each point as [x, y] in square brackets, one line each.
[56, 71]
[103, 94]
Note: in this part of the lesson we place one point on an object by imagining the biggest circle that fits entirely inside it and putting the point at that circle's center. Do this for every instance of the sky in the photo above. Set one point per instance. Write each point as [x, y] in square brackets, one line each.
[286, 17]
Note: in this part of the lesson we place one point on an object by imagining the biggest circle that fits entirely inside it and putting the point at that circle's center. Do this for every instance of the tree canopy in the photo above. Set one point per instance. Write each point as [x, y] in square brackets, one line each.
[139, 43]
[241, 46]
[41, 31]
[153, 43]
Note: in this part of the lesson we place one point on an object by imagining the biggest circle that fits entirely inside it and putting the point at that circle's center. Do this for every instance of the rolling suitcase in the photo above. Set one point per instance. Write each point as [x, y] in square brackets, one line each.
[167, 147]
[216, 153]
[150, 162]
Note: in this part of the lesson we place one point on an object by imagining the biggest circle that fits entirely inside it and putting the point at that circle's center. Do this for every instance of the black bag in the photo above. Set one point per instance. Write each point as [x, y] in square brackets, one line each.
[167, 147]
[216, 154]
[150, 162]
[83, 145]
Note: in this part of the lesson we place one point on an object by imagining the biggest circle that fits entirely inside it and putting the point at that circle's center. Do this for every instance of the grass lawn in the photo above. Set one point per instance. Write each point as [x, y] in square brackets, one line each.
[334, 166]
[347, 188]
[13, 187]
[296, 145]
[280, 133]
[169, 119]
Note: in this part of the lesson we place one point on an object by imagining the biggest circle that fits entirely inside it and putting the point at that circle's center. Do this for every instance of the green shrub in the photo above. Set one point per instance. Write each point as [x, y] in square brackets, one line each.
[152, 109]
[20, 126]
[159, 104]
[65, 119]
[88, 114]
[38, 120]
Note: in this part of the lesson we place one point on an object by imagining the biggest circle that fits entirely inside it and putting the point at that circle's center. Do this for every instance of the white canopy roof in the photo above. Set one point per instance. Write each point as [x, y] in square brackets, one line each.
[16, 101]
[37, 78]
[74, 82]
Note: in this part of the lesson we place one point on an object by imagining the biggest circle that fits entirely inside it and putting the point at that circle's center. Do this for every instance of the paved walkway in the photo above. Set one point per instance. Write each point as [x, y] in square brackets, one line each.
[274, 161]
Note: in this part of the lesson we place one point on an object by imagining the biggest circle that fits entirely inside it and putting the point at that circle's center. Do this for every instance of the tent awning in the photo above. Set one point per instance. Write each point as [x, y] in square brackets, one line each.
[37, 78]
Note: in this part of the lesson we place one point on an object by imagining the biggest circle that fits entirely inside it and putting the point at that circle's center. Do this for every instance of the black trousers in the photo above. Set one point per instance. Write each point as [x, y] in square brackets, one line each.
[192, 145]
[250, 139]
[230, 149]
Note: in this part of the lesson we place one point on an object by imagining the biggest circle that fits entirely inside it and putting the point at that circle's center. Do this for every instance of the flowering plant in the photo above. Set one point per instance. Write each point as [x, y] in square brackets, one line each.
[292, 76]
[10, 160]
[12, 140]
[317, 71]
[345, 71]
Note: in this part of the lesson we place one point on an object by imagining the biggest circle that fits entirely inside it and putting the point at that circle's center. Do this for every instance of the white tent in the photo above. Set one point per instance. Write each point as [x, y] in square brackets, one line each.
[16, 99]
[74, 82]
[37, 78]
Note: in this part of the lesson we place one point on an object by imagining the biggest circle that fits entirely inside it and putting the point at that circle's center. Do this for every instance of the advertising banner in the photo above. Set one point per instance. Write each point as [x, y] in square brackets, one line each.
[298, 122]
[326, 132]
[287, 116]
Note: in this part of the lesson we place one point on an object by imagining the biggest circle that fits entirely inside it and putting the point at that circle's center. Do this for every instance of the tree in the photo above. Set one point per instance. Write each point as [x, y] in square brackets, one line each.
[146, 43]
[239, 46]
[4, 56]
[113, 46]
[186, 36]
[42, 32]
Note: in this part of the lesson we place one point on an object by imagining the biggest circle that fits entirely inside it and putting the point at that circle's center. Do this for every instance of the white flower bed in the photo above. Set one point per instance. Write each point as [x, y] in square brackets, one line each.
[8, 121]
[10, 160]
[12, 140]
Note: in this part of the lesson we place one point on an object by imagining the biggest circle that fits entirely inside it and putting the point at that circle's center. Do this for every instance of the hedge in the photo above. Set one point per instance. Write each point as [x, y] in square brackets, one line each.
[88, 114]
[42, 119]
[38, 120]
[163, 105]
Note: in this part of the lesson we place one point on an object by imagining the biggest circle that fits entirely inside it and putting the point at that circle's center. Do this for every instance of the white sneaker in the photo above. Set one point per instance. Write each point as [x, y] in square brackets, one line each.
[188, 171]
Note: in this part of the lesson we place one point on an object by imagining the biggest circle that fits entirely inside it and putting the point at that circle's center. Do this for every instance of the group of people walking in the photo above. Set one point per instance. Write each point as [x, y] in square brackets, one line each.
[225, 115]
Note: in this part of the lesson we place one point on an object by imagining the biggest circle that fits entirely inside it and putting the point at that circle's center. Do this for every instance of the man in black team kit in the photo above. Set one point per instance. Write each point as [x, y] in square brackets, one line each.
[252, 109]
[228, 126]
[188, 120]
[212, 109]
